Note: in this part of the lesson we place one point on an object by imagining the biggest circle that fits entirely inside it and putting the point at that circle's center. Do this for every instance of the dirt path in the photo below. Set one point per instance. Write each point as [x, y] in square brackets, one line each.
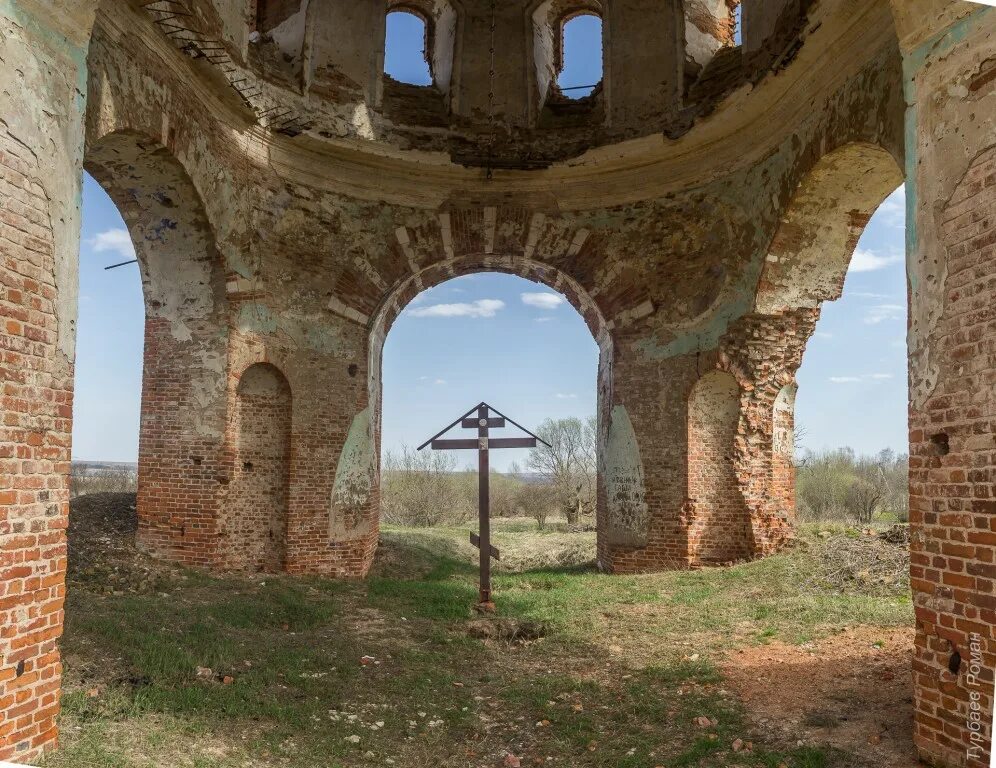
[851, 691]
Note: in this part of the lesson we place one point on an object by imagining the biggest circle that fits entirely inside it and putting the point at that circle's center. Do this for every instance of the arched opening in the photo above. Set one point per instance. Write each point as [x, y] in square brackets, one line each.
[719, 530]
[182, 424]
[580, 66]
[505, 334]
[853, 401]
[837, 263]
[256, 538]
[568, 52]
[407, 47]
[419, 46]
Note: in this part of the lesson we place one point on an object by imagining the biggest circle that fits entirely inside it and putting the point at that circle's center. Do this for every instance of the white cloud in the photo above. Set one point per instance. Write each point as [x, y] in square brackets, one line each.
[479, 308]
[881, 313]
[893, 209]
[563, 396]
[858, 379]
[865, 260]
[543, 319]
[440, 381]
[866, 295]
[115, 241]
[543, 300]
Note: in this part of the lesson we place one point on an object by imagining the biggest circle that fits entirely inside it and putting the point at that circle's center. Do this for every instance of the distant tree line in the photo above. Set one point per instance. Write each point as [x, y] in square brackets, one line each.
[840, 485]
[426, 488]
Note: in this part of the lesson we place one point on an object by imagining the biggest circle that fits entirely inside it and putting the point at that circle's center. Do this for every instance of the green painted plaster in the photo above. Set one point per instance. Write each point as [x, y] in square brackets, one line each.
[913, 63]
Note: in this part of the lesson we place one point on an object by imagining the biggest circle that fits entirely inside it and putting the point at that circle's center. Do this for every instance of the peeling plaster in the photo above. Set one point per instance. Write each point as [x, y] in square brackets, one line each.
[42, 101]
[627, 514]
[355, 476]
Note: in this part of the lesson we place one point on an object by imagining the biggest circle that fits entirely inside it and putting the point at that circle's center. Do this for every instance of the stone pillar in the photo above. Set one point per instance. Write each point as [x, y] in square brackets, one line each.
[43, 50]
[344, 49]
[642, 524]
[514, 36]
[644, 66]
[949, 52]
[764, 352]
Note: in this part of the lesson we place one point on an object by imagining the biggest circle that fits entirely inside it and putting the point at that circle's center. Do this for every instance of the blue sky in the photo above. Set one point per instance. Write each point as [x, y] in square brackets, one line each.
[503, 339]
[404, 52]
[511, 342]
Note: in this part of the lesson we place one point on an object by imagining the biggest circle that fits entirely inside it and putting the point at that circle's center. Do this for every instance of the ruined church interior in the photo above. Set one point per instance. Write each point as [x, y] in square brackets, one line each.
[287, 200]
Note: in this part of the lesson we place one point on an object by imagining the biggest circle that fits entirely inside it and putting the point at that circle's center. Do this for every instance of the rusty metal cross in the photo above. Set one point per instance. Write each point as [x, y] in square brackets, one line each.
[483, 418]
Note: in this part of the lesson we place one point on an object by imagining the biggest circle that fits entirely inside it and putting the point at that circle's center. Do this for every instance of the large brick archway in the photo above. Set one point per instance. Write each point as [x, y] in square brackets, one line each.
[182, 452]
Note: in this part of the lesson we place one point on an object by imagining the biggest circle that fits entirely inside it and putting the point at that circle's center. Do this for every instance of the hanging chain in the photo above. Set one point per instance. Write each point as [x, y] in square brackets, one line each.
[492, 128]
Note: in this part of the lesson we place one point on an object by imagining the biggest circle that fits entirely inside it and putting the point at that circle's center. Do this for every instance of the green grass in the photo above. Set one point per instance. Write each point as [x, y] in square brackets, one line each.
[299, 691]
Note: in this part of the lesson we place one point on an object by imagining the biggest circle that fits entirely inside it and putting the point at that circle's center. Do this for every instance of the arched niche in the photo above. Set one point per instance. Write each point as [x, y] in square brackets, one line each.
[254, 524]
[819, 230]
[183, 413]
[719, 529]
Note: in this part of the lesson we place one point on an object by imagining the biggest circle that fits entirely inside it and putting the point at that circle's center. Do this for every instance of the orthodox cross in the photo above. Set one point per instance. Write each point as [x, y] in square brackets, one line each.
[483, 418]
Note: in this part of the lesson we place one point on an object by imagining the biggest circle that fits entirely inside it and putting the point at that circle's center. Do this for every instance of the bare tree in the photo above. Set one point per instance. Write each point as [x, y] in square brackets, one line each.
[418, 488]
[835, 484]
[568, 463]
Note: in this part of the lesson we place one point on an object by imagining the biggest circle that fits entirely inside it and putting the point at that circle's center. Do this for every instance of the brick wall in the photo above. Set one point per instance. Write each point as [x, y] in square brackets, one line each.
[182, 465]
[35, 430]
[719, 524]
[180, 476]
[953, 488]
[254, 528]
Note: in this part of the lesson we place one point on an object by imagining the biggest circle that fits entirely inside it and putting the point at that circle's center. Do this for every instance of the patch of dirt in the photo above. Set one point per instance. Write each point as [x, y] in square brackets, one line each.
[507, 631]
[852, 691]
[102, 552]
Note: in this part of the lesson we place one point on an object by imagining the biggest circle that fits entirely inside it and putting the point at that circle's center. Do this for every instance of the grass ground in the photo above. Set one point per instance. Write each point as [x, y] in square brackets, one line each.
[579, 669]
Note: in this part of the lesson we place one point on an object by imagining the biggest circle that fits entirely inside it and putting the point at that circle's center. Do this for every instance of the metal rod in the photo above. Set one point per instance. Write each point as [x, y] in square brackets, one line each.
[442, 432]
[579, 87]
[515, 423]
[122, 264]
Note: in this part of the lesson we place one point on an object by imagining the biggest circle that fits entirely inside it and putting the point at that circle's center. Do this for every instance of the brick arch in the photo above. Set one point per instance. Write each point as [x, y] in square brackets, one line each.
[183, 416]
[253, 523]
[367, 463]
[719, 520]
[819, 229]
[404, 291]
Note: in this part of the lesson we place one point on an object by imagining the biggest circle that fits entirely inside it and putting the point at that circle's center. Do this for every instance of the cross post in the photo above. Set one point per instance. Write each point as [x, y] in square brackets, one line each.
[480, 418]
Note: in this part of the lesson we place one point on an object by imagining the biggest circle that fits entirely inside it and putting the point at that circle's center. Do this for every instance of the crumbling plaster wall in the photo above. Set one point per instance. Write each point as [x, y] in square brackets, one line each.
[949, 51]
[42, 100]
[310, 258]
